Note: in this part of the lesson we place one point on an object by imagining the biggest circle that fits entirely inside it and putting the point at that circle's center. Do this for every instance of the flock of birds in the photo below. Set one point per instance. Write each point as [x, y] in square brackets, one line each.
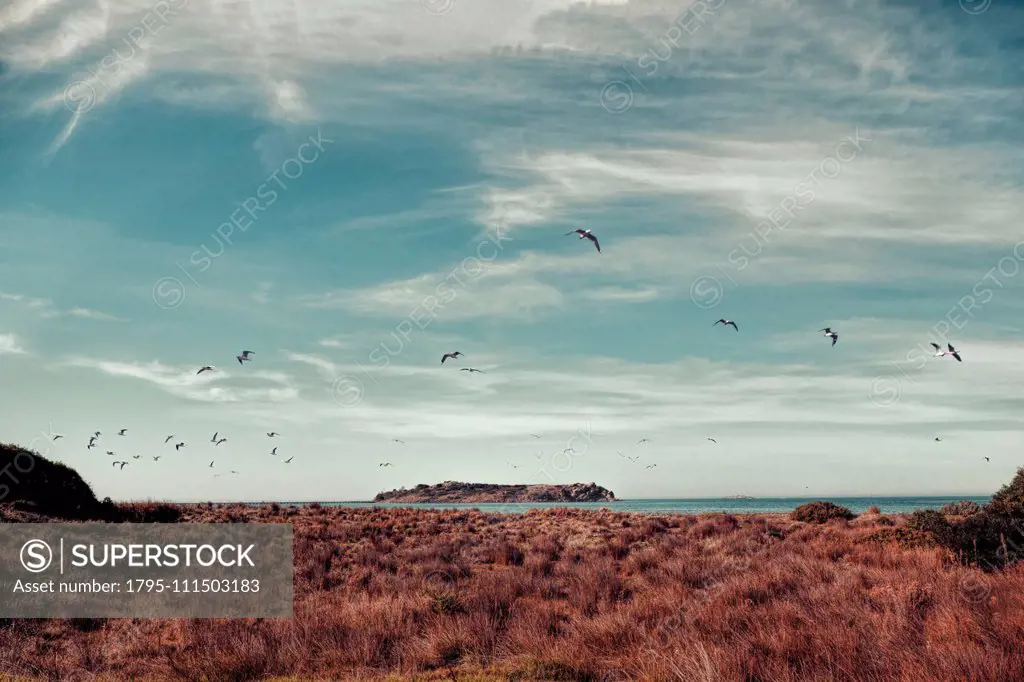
[245, 356]
[217, 440]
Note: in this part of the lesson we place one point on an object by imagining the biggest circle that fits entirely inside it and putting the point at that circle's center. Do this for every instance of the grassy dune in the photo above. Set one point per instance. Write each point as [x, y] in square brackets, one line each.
[403, 594]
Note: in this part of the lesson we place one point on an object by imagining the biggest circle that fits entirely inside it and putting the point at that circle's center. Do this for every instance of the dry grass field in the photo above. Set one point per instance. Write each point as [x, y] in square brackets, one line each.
[412, 594]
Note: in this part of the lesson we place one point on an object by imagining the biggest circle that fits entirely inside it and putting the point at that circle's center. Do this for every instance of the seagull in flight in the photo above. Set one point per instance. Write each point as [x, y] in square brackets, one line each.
[121, 463]
[272, 434]
[713, 440]
[243, 357]
[57, 436]
[453, 356]
[385, 464]
[215, 434]
[641, 441]
[110, 452]
[987, 459]
[157, 458]
[831, 334]
[136, 456]
[218, 442]
[586, 234]
[168, 439]
[650, 466]
[211, 463]
[633, 459]
[937, 439]
[205, 368]
[122, 432]
[288, 461]
[471, 369]
[97, 434]
[274, 451]
[396, 440]
[726, 322]
[233, 471]
[952, 351]
[179, 446]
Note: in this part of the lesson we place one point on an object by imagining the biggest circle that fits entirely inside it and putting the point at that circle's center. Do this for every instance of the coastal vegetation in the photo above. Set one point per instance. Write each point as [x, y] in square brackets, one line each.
[585, 595]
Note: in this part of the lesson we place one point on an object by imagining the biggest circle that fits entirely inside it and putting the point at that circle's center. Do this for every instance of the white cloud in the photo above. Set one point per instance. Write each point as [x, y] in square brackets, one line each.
[9, 344]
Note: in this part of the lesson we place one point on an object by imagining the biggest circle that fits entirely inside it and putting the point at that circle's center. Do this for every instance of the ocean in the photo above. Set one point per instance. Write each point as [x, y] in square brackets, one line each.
[760, 505]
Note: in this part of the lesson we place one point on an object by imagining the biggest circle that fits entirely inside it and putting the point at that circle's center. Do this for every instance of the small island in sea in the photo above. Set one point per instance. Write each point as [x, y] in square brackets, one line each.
[456, 492]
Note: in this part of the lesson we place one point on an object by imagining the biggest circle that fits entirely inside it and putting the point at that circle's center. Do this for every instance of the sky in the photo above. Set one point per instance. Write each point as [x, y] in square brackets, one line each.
[350, 189]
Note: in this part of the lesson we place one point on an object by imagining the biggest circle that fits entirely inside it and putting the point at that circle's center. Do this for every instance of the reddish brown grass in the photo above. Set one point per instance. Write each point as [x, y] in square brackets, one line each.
[561, 594]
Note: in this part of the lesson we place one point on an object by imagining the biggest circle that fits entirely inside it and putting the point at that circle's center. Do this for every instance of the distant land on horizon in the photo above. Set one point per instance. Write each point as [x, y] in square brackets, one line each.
[458, 492]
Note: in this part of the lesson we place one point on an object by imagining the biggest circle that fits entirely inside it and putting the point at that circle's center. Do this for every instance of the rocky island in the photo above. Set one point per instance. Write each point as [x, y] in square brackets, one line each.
[456, 492]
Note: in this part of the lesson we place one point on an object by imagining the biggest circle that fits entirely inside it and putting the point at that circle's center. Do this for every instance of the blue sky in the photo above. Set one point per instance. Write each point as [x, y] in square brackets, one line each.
[786, 165]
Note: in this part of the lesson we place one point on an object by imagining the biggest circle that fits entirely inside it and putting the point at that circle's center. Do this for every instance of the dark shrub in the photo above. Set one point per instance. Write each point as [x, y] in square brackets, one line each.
[961, 508]
[1009, 501]
[930, 521]
[821, 512]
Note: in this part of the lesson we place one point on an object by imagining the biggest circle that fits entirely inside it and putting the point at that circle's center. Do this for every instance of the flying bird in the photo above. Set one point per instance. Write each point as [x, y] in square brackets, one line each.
[713, 440]
[274, 451]
[455, 355]
[179, 446]
[642, 440]
[58, 436]
[987, 459]
[136, 456]
[122, 432]
[205, 368]
[242, 358]
[247, 353]
[586, 234]
[650, 466]
[384, 464]
[937, 439]
[211, 463]
[395, 440]
[726, 322]
[220, 441]
[157, 458]
[272, 434]
[633, 459]
[952, 351]
[289, 460]
[168, 439]
[215, 434]
[121, 463]
[110, 452]
[470, 369]
[620, 454]
[233, 471]
[831, 334]
[97, 434]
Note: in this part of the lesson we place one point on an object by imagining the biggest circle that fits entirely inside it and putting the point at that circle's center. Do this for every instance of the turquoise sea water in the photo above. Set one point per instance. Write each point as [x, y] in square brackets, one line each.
[889, 505]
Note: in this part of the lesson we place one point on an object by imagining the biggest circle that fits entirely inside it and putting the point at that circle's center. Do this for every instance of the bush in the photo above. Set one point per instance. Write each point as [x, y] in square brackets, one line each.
[821, 512]
[961, 508]
[1009, 501]
[873, 509]
[930, 521]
